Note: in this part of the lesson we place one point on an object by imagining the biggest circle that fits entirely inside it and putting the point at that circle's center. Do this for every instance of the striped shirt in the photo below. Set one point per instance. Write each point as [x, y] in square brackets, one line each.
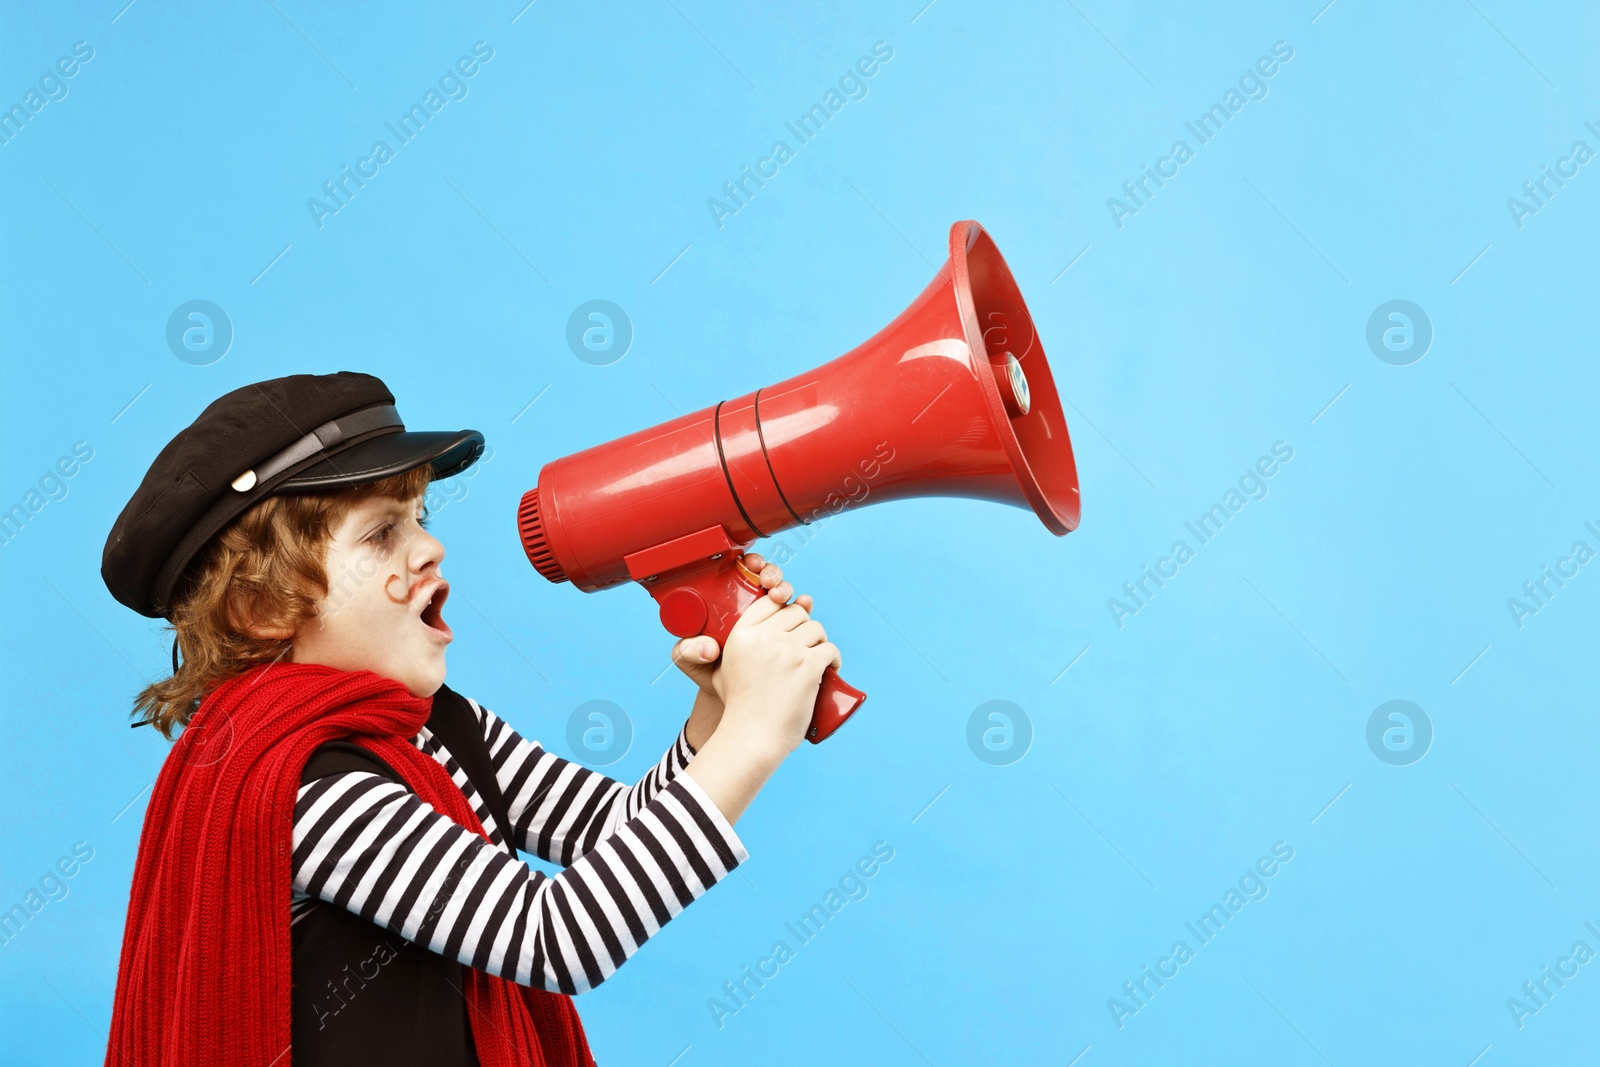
[633, 857]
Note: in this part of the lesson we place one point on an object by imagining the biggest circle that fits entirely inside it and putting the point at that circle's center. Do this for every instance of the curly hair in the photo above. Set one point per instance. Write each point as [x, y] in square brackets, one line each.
[266, 568]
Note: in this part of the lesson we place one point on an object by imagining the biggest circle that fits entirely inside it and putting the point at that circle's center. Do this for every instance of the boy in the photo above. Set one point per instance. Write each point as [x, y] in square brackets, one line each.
[328, 869]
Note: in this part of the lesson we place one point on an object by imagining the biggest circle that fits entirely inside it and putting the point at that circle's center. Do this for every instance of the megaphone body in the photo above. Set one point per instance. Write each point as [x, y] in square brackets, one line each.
[952, 398]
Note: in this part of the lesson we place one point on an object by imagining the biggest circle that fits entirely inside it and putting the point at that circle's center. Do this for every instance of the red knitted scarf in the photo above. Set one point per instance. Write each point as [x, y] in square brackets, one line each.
[205, 972]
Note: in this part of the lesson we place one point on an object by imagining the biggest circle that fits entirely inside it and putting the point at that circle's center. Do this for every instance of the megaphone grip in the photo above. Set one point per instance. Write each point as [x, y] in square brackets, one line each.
[701, 585]
[837, 700]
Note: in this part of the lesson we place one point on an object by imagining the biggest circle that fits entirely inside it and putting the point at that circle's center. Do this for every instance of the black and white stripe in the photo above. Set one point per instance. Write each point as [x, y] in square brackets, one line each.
[634, 858]
[560, 809]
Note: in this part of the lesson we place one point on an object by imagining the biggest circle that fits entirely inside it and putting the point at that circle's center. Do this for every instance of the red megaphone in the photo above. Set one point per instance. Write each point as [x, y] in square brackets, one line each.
[953, 398]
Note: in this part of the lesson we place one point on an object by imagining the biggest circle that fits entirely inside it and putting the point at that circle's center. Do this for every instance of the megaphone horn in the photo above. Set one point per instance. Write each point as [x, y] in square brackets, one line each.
[953, 398]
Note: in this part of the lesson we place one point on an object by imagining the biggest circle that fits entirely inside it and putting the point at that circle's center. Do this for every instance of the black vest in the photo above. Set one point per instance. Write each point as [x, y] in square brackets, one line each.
[362, 993]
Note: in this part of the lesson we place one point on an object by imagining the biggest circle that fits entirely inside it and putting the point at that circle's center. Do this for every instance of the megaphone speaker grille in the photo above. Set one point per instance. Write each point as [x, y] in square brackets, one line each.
[530, 523]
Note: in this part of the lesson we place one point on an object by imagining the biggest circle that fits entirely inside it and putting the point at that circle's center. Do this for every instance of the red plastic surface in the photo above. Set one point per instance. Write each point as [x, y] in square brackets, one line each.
[923, 408]
[684, 612]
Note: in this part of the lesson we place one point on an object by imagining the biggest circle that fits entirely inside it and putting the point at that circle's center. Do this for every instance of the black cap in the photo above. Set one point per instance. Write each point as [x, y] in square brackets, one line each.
[302, 433]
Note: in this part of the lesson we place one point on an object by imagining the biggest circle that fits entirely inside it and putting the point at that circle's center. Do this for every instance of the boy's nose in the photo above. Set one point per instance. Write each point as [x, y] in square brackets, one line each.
[429, 550]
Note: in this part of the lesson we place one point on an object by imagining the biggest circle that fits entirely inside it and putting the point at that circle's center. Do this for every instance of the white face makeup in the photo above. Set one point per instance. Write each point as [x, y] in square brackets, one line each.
[382, 611]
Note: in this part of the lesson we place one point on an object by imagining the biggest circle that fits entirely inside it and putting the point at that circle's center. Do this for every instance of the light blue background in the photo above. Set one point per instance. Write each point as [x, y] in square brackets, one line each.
[1223, 317]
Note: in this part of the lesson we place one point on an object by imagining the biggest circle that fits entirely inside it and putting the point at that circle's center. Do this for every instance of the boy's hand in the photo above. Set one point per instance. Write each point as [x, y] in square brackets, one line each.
[771, 667]
[763, 690]
[697, 656]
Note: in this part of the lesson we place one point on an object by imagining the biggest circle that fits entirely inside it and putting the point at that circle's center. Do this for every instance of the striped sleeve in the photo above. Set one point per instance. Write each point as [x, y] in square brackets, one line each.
[367, 844]
[560, 809]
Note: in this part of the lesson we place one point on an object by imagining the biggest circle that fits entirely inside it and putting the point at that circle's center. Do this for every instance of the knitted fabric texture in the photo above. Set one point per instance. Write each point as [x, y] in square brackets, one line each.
[204, 978]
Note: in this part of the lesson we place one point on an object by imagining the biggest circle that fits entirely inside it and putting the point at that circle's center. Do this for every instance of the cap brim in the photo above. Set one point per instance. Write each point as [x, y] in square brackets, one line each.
[449, 452]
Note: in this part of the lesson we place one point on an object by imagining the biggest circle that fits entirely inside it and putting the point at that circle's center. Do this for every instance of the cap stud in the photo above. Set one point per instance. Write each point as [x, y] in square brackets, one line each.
[245, 482]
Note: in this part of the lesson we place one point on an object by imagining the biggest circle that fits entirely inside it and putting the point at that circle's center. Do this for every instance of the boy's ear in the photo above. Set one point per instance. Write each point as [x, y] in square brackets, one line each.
[244, 613]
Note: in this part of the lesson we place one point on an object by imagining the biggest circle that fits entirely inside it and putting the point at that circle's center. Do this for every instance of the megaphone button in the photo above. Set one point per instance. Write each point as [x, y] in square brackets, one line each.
[683, 612]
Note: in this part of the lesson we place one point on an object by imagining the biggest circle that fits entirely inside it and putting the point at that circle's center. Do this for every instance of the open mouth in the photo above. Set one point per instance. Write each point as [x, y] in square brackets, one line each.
[432, 616]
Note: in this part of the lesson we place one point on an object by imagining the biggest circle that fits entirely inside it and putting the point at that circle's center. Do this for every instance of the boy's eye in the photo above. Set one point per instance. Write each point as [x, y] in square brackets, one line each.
[382, 535]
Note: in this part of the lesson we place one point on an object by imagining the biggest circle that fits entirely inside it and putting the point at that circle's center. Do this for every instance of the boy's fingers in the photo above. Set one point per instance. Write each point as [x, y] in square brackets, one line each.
[695, 650]
[760, 610]
[811, 632]
[790, 617]
[771, 575]
[754, 561]
[804, 600]
[827, 653]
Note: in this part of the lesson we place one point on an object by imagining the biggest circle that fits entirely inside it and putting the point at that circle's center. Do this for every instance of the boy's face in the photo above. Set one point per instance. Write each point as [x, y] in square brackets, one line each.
[384, 595]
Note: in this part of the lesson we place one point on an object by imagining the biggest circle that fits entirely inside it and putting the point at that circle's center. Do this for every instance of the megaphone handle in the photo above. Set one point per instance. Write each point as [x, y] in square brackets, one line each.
[701, 585]
[837, 700]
